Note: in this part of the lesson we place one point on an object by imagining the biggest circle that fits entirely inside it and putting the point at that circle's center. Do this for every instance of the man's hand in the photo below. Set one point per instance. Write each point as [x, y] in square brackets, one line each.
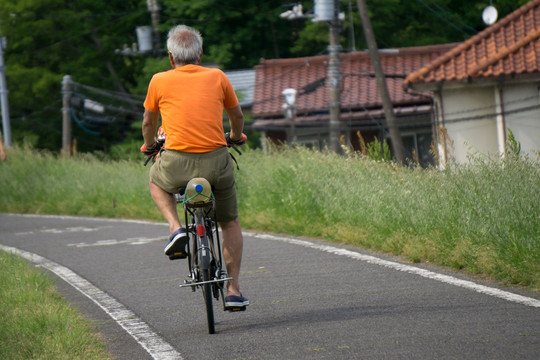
[150, 150]
[238, 142]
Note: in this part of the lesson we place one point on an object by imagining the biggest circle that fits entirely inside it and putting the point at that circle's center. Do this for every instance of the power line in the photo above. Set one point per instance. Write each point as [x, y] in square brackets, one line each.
[486, 107]
[133, 98]
[444, 19]
[314, 109]
[473, 30]
[520, 102]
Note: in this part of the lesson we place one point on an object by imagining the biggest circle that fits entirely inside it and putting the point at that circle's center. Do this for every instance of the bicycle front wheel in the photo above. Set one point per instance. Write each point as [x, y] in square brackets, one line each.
[207, 294]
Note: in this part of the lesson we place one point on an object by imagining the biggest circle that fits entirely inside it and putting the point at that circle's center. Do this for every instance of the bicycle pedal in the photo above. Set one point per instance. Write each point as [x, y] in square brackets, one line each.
[188, 282]
[179, 255]
[235, 309]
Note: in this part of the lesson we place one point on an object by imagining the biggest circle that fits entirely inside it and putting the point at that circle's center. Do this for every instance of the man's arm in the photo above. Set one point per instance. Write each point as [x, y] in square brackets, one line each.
[236, 120]
[149, 127]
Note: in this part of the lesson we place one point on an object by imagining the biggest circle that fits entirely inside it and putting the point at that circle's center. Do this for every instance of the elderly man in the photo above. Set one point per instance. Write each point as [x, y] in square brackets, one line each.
[191, 100]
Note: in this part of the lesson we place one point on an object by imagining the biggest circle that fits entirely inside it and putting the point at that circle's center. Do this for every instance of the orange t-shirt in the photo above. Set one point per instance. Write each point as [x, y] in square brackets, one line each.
[191, 100]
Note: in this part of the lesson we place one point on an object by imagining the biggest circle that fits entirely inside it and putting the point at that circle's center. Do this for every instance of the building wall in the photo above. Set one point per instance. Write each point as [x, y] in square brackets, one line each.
[469, 119]
[525, 125]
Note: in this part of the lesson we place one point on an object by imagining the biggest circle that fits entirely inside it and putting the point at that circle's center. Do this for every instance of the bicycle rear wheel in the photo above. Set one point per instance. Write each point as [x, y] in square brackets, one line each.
[207, 294]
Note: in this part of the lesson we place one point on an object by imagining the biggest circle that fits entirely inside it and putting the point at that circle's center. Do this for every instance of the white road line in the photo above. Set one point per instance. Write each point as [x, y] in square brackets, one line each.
[158, 348]
[354, 255]
[78, 229]
[71, 217]
[129, 241]
[407, 268]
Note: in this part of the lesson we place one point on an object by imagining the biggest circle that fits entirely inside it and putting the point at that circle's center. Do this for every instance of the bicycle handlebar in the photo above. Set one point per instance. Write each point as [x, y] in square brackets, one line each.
[234, 143]
[241, 141]
[160, 142]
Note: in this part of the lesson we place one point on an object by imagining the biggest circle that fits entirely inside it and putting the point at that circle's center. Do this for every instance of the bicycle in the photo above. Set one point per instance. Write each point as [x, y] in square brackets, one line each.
[205, 257]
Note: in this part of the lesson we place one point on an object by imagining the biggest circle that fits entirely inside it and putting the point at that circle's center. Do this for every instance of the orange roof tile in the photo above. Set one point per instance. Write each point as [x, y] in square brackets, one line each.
[509, 47]
[359, 88]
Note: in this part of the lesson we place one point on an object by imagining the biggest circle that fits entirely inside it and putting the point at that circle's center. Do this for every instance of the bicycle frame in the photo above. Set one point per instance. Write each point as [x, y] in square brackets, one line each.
[205, 259]
[205, 244]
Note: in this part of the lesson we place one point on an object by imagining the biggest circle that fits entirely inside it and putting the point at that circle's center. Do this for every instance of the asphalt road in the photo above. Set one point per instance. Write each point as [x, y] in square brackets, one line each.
[309, 300]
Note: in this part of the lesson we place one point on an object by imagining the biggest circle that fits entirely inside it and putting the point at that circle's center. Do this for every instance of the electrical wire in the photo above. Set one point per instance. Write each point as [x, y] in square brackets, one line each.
[316, 109]
[448, 116]
[81, 124]
[473, 30]
[131, 98]
[444, 19]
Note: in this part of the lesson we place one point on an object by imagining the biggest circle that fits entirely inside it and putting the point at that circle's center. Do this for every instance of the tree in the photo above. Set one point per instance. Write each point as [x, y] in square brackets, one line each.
[237, 33]
[48, 39]
[421, 22]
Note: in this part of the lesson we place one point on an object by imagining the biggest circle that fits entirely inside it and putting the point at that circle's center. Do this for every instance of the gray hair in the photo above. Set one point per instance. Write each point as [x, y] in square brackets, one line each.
[185, 44]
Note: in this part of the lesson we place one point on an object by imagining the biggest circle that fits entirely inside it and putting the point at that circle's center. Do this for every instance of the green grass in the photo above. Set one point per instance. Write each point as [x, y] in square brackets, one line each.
[483, 218]
[44, 183]
[36, 322]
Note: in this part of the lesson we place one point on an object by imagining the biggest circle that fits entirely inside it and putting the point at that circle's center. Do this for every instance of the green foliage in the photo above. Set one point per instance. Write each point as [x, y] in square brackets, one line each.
[312, 40]
[481, 217]
[429, 22]
[237, 33]
[458, 217]
[81, 185]
[420, 23]
[151, 67]
[51, 38]
[513, 147]
[47, 39]
[129, 149]
[34, 113]
[378, 151]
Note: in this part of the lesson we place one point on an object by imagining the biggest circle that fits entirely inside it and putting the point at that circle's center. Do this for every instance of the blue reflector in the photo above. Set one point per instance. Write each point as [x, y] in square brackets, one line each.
[198, 188]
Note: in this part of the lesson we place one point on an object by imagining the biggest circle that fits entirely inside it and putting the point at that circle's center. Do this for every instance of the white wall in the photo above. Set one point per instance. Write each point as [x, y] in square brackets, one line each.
[470, 134]
[479, 135]
[525, 125]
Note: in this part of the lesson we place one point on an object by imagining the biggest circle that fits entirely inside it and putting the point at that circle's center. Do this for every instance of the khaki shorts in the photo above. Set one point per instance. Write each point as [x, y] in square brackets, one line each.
[174, 169]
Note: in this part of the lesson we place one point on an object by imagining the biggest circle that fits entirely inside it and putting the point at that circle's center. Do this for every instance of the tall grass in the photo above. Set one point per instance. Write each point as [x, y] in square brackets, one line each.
[36, 322]
[41, 182]
[483, 217]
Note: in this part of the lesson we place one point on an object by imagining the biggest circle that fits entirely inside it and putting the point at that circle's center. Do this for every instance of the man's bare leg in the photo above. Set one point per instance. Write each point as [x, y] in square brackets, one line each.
[166, 203]
[233, 241]
[233, 244]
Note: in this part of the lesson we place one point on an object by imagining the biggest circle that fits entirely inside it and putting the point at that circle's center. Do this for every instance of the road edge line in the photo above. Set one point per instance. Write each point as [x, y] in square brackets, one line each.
[158, 348]
[506, 295]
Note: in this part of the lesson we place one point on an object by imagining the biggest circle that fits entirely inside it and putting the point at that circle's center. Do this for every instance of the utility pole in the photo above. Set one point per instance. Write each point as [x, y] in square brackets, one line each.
[66, 115]
[327, 11]
[3, 95]
[153, 7]
[351, 28]
[381, 82]
[334, 76]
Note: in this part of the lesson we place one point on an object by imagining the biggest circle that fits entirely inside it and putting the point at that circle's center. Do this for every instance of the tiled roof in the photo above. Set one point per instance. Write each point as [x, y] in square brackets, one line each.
[509, 47]
[359, 88]
[243, 82]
